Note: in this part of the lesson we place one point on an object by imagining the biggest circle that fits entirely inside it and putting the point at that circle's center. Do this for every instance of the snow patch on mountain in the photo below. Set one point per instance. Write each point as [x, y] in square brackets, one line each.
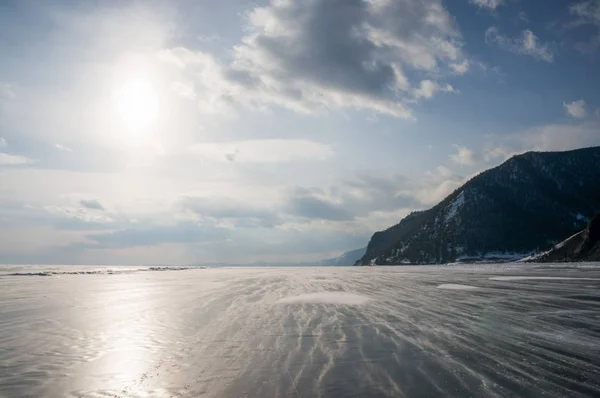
[453, 207]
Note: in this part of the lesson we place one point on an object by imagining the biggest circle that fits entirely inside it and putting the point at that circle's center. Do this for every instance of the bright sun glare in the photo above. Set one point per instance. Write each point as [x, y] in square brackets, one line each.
[136, 103]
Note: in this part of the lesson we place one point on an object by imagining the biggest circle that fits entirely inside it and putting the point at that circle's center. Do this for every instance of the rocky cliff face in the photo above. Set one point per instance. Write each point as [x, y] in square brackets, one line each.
[523, 206]
[583, 246]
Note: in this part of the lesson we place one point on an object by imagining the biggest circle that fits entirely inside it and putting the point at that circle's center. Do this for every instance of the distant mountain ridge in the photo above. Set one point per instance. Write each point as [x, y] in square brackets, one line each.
[520, 207]
[348, 258]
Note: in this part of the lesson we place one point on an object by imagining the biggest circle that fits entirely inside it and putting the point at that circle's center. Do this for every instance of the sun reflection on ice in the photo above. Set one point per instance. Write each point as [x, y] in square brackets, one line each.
[125, 337]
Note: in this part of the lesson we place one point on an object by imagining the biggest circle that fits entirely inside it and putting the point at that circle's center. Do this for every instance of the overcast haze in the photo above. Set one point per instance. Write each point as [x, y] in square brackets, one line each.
[202, 131]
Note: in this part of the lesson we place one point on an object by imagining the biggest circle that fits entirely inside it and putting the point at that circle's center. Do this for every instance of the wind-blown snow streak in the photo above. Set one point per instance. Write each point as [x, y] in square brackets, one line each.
[308, 332]
[456, 286]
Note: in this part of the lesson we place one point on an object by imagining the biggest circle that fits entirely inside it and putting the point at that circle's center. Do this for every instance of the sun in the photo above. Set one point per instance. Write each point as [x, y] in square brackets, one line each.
[136, 104]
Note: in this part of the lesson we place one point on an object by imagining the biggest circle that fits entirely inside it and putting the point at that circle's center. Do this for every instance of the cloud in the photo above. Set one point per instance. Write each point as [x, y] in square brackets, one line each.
[298, 223]
[184, 90]
[489, 4]
[322, 55]
[435, 185]
[6, 92]
[92, 204]
[501, 152]
[460, 68]
[303, 203]
[66, 218]
[80, 213]
[22, 215]
[241, 214]
[178, 57]
[587, 13]
[368, 198]
[485, 68]
[522, 17]
[367, 192]
[64, 148]
[208, 38]
[575, 109]
[13, 160]
[526, 44]
[263, 151]
[307, 242]
[561, 137]
[464, 156]
[552, 137]
[428, 88]
[183, 232]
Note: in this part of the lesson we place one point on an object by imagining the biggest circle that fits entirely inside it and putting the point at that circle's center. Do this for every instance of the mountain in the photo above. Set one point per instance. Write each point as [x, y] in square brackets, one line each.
[583, 246]
[521, 207]
[348, 258]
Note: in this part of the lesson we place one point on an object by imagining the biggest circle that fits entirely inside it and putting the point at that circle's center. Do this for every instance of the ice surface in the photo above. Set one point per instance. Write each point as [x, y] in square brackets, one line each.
[41, 270]
[226, 333]
[539, 278]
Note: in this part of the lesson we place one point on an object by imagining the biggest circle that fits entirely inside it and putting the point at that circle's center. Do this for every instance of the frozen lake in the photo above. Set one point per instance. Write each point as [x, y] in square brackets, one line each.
[300, 332]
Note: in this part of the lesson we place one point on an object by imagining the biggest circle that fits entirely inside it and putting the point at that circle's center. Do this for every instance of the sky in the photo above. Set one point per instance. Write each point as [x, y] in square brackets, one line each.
[188, 132]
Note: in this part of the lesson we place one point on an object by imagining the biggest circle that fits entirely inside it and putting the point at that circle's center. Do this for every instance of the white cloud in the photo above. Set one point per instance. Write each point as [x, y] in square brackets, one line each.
[3, 142]
[463, 156]
[228, 212]
[13, 160]
[184, 90]
[575, 109]
[526, 44]
[80, 213]
[428, 88]
[490, 4]
[61, 147]
[263, 151]
[587, 11]
[501, 152]
[436, 185]
[487, 68]
[460, 68]
[208, 38]
[171, 57]
[552, 137]
[559, 137]
[313, 58]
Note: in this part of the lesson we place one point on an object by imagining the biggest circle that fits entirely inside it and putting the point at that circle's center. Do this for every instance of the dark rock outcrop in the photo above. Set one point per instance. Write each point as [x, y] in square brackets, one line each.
[583, 246]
